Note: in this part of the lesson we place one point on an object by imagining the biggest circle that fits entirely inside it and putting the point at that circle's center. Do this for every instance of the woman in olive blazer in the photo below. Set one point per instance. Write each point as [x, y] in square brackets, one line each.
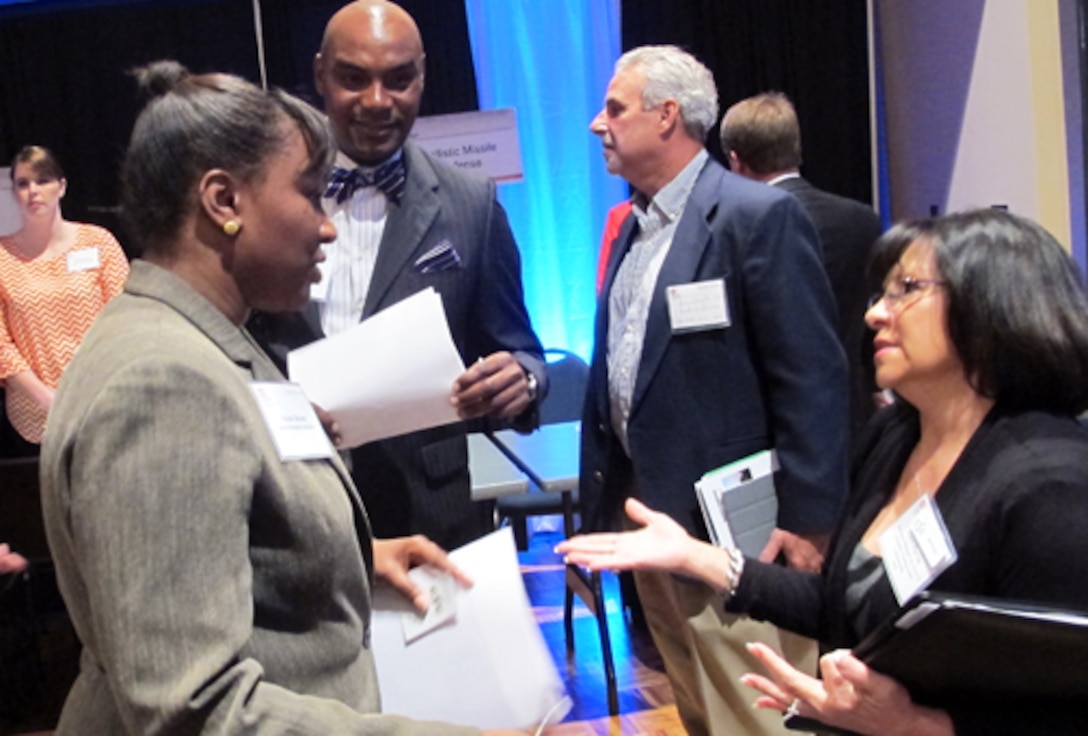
[217, 585]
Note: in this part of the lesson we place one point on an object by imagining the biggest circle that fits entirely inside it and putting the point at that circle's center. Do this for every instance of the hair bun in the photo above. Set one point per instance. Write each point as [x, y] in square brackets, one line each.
[160, 77]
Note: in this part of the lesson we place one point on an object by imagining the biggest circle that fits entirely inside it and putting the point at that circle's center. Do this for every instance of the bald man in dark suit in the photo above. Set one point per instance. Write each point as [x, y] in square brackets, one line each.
[406, 222]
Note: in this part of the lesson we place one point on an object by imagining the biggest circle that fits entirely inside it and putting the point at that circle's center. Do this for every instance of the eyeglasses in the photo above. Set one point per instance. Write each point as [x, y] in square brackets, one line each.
[894, 294]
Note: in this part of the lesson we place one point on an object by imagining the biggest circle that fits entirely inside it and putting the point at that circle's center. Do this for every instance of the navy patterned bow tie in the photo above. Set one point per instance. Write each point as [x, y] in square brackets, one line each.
[389, 177]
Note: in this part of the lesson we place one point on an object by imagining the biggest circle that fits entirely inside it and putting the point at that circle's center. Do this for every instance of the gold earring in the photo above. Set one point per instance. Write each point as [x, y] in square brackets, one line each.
[231, 227]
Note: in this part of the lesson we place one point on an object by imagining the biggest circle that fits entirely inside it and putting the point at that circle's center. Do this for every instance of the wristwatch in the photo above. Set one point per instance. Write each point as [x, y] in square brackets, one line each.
[530, 378]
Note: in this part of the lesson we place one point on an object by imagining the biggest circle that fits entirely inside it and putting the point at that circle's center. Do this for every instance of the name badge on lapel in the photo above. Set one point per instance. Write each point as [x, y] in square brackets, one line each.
[291, 419]
[916, 549]
[698, 306]
[84, 259]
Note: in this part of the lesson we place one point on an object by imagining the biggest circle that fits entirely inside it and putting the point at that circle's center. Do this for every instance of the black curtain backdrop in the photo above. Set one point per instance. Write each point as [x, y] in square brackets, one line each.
[815, 52]
[293, 31]
[63, 64]
[65, 85]
[64, 81]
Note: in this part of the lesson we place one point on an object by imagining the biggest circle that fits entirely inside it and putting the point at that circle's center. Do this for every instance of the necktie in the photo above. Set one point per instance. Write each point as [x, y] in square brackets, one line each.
[389, 177]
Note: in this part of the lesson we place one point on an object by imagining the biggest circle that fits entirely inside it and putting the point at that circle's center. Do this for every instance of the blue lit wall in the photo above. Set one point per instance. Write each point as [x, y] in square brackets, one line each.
[552, 62]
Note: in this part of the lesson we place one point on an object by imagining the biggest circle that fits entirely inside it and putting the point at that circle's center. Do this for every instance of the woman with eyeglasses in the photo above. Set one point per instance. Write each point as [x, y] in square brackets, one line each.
[982, 333]
[55, 277]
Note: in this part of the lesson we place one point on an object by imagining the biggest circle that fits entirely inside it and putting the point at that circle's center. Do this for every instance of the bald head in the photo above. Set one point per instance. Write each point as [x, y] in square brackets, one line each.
[377, 20]
[369, 73]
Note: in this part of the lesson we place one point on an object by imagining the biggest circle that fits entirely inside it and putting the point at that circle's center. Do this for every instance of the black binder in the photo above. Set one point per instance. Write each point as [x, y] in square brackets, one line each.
[947, 647]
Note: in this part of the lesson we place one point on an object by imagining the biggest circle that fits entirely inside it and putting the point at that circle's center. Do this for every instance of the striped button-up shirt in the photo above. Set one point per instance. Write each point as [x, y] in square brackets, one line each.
[633, 287]
[349, 260]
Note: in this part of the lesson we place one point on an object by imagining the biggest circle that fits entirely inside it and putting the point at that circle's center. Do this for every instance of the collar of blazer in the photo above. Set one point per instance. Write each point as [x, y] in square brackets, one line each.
[690, 241]
[154, 282]
[405, 225]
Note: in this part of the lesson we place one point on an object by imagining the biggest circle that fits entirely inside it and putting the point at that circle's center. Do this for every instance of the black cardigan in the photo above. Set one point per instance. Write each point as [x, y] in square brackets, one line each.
[1016, 506]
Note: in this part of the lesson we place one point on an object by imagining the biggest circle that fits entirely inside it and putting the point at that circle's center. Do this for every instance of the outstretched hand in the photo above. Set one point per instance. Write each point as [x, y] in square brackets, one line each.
[11, 561]
[660, 544]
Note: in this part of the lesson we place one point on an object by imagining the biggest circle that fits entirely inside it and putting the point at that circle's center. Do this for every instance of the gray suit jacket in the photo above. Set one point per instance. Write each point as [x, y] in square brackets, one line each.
[418, 483]
[215, 588]
[775, 378]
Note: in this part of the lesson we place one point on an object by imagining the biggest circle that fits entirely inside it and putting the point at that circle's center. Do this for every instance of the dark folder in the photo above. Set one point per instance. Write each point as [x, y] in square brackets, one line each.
[945, 647]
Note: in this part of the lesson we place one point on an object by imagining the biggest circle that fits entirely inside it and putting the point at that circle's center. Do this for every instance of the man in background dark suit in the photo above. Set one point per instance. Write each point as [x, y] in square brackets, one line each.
[406, 222]
[714, 340]
[762, 138]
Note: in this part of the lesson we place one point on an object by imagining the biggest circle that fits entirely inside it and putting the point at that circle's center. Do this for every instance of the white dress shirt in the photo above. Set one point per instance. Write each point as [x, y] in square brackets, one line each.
[349, 260]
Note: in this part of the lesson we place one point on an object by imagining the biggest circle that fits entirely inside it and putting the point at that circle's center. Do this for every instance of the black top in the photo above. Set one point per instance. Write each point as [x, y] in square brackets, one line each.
[1016, 507]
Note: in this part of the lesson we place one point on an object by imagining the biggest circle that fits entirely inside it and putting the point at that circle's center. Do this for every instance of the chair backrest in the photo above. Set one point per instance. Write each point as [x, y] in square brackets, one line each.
[568, 376]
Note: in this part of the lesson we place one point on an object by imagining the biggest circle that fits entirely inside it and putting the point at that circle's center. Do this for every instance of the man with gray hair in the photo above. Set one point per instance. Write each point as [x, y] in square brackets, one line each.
[715, 340]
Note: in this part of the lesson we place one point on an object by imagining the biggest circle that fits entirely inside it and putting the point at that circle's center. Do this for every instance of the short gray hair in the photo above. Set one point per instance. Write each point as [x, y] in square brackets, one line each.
[671, 72]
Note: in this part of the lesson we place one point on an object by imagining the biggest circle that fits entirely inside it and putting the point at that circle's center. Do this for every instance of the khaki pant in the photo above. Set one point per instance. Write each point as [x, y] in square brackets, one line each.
[704, 654]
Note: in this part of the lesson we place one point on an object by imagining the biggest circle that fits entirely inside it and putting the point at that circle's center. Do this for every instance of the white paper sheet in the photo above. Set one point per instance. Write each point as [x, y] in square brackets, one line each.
[489, 668]
[390, 374]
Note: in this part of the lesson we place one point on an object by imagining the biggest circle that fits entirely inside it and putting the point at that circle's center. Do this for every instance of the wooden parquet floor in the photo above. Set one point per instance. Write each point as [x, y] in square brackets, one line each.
[645, 698]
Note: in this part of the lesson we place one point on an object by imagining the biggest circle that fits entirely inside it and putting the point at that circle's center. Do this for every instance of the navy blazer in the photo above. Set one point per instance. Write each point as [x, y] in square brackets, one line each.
[419, 483]
[776, 377]
[847, 229]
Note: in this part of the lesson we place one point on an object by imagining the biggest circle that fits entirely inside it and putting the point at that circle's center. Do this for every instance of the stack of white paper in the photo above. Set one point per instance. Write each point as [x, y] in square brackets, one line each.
[390, 374]
[489, 667]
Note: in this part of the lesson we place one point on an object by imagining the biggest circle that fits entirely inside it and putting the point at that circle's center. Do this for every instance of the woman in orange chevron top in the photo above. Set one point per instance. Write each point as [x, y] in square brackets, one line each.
[55, 277]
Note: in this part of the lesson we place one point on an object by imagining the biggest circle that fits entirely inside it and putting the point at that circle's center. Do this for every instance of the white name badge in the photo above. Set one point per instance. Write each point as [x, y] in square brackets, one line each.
[292, 421]
[84, 259]
[916, 549]
[698, 306]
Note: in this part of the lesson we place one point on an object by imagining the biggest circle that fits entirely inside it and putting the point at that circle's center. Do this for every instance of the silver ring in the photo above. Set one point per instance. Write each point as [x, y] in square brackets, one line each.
[794, 709]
